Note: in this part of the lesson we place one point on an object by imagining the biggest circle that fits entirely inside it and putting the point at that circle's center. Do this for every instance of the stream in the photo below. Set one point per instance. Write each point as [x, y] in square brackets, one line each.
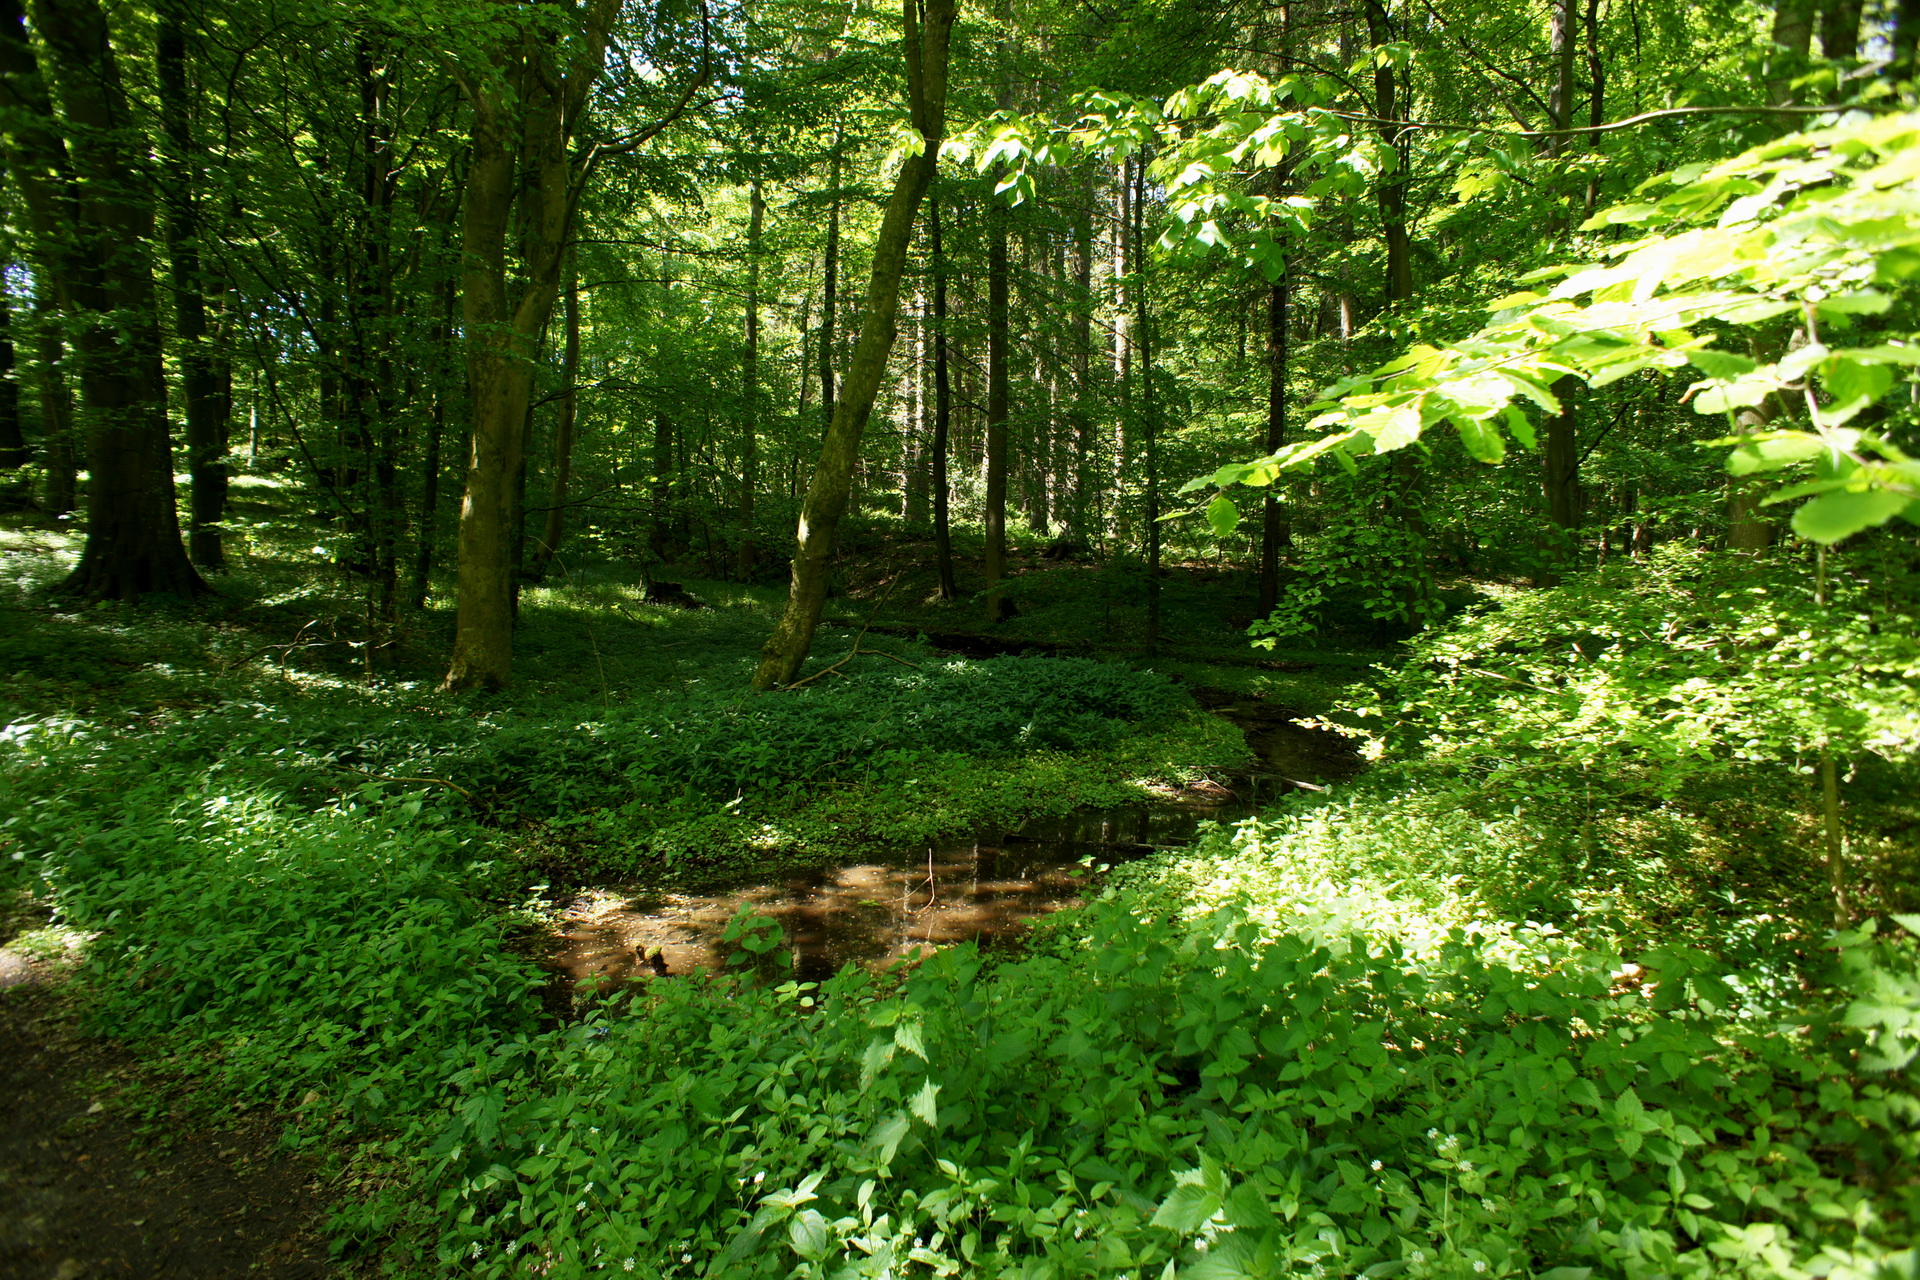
[980, 889]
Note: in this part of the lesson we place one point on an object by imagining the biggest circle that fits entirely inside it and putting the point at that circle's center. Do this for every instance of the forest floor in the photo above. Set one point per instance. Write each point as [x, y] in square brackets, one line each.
[107, 1169]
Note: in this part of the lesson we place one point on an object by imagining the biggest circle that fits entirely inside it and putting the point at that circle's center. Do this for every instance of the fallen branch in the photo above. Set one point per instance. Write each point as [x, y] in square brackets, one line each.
[438, 782]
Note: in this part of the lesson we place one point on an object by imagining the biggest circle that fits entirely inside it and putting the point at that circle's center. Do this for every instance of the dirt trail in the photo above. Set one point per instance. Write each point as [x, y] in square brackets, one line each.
[84, 1194]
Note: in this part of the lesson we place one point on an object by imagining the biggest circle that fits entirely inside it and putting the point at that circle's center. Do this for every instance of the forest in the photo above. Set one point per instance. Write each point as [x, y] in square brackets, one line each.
[1012, 638]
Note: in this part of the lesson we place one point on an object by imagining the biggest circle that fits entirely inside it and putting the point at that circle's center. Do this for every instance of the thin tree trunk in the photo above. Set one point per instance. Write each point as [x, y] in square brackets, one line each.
[91, 225]
[206, 429]
[1391, 191]
[750, 376]
[830, 292]
[929, 25]
[1149, 410]
[994, 515]
[1082, 360]
[13, 441]
[56, 410]
[942, 406]
[1275, 534]
[556, 521]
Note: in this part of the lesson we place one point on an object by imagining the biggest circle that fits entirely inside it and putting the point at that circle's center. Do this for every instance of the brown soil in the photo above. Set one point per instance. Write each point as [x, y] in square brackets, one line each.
[90, 1189]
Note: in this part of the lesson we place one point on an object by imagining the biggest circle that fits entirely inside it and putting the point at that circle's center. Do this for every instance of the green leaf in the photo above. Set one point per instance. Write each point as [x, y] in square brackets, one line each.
[1522, 427]
[1222, 515]
[810, 1234]
[1774, 451]
[1723, 365]
[1853, 386]
[1184, 1210]
[892, 1131]
[1833, 516]
[923, 1106]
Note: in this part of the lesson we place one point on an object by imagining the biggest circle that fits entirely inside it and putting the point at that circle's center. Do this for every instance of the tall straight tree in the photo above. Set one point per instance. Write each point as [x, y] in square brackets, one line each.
[928, 32]
[527, 98]
[994, 516]
[200, 382]
[942, 407]
[91, 210]
[750, 381]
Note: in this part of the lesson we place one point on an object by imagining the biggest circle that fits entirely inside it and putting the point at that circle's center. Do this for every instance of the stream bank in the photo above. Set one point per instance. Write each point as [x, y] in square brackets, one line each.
[984, 888]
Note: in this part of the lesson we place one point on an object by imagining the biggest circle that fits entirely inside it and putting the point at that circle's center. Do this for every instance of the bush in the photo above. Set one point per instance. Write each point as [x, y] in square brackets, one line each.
[1231, 1099]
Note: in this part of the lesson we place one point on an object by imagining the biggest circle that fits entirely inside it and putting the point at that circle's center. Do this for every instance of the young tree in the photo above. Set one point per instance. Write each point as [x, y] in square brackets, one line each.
[928, 31]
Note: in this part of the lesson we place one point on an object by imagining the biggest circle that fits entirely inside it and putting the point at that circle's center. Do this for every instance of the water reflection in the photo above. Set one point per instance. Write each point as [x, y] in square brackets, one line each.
[977, 890]
[877, 913]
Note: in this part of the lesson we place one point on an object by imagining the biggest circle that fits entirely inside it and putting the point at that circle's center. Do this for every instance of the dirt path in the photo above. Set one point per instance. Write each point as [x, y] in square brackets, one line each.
[84, 1193]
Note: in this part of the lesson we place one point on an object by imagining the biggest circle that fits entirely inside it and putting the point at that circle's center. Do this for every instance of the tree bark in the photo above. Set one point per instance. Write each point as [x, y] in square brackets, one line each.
[1391, 190]
[1840, 29]
[206, 409]
[91, 220]
[527, 133]
[56, 410]
[830, 292]
[1793, 41]
[994, 514]
[555, 525]
[929, 26]
[942, 406]
[1274, 532]
[451, 376]
[750, 378]
[13, 441]
[1149, 407]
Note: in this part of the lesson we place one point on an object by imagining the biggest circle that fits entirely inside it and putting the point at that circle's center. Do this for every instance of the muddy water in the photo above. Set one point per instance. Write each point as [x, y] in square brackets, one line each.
[981, 890]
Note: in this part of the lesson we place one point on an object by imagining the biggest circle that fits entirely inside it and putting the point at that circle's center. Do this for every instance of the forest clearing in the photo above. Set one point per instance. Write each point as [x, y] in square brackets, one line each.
[769, 638]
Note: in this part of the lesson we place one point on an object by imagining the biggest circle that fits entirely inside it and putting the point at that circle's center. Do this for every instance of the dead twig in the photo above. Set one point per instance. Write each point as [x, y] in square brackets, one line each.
[856, 651]
[438, 782]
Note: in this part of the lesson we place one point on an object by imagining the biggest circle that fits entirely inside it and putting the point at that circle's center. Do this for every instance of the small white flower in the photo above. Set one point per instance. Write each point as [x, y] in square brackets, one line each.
[759, 1177]
[1432, 1134]
[581, 1207]
[1466, 1166]
[1377, 1166]
[1486, 1204]
[627, 1265]
[1479, 1265]
[1416, 1256]
[475, 1251]
[686, 1257]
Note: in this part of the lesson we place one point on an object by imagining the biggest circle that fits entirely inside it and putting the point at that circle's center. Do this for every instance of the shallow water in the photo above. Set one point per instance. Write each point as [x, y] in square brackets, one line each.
[981, 890]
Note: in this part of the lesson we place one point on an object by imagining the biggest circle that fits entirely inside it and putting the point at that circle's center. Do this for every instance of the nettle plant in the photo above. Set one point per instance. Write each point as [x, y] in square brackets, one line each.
[1818, 230]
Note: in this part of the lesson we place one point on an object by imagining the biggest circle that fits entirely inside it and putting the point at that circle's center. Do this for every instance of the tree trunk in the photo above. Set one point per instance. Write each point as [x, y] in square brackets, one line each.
[556, 522]
[1840, 29]
[1274, 532]
[1793, 42]
[830, 292]
[994, 516]
[91, 225]
[750, 377]
[13, 441]
[451, 375]
[942, 407]
[1149, 409]
[1391, 190]
[525, 134]
[1082, 361]
[929, 25]
[206, 427]
[56, 410]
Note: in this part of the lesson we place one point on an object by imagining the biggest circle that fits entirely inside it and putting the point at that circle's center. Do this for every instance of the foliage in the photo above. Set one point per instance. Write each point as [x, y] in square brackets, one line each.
[1822, 227]
[1686, 663]
[1231, 1099]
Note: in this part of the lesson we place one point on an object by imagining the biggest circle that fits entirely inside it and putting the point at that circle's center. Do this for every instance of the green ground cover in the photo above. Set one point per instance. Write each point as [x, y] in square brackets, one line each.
[1508, 1005]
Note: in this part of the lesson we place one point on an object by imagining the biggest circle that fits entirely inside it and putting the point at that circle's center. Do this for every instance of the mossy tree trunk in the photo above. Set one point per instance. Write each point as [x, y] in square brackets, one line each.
[523, 182]
[929, 27]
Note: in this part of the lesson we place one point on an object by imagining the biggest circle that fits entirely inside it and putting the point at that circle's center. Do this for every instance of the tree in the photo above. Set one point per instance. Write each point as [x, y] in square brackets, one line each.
[527, 99]
[91, 211]
[928, 28]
